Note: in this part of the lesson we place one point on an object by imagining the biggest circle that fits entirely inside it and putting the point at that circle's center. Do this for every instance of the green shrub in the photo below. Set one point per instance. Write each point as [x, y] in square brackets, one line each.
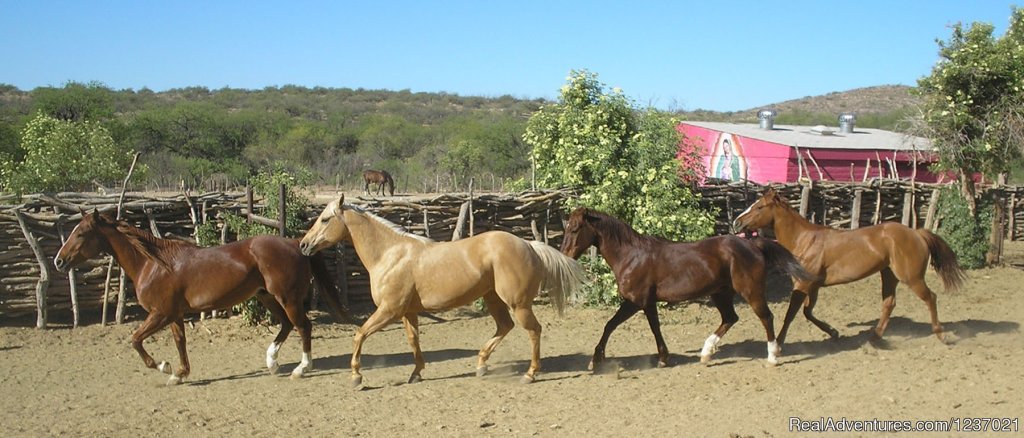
[967, 235]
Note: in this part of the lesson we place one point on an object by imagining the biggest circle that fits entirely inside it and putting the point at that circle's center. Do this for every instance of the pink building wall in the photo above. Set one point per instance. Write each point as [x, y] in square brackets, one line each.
[735, 157]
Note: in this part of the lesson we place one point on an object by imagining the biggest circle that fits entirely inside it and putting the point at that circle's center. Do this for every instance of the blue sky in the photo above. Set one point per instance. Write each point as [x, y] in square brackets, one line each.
[720, 55]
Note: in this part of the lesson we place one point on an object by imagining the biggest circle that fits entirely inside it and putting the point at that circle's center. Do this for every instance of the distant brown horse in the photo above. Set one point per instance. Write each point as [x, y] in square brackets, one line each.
[381, 178]
[650, 269]
[174, 277]
[843, 256]
[411, 274]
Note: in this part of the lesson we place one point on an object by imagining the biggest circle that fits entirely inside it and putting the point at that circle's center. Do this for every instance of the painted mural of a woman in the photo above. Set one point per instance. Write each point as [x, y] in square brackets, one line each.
[729, 166]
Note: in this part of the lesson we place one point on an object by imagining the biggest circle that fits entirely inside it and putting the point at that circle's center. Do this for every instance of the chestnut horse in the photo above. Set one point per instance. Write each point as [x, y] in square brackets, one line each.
[174, 277]
[410, 274]
[842, 256]
[650, 269]
[380, 178]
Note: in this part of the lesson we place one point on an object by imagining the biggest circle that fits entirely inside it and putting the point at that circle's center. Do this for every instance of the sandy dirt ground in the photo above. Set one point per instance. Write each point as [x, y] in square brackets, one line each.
[89, 382]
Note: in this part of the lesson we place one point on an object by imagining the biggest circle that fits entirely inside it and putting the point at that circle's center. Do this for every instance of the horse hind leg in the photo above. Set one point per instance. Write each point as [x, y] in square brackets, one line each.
[286, 327]
[297, 315]
[412, 330]
[723, 302]
[925, 293]
[889, 283]
[503, 320]
[760, 306]
[529, 322]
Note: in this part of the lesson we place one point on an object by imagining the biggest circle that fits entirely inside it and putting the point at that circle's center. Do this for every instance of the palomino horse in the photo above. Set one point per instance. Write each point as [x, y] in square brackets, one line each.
[410, 274]
[174, 277]
[380, 178]
[650, 269]
[843, 256]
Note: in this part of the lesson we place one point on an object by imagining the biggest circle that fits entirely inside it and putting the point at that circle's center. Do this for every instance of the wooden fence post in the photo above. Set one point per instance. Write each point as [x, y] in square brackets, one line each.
[1012, 226]
[805, 199]
[858, 195]
[72, 278]
[908, 209]
[471, 215]
[44, 273]
[282, 203]
[933, 205]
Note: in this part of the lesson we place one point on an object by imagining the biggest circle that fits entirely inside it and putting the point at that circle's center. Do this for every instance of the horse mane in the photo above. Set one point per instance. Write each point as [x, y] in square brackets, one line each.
[162, 251]
[398, 229]
[613, 228]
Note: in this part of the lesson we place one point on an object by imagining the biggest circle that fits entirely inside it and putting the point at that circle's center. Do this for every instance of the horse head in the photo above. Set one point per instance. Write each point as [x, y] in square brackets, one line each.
[328, 230]
[85, 242]
[760, 214]
[579, 233]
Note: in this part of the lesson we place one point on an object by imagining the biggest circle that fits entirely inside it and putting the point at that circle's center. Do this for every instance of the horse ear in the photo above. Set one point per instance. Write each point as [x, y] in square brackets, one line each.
[341, 203]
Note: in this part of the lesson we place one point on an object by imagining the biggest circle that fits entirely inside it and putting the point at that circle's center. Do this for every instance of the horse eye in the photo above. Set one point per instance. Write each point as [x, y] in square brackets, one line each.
[325, 220]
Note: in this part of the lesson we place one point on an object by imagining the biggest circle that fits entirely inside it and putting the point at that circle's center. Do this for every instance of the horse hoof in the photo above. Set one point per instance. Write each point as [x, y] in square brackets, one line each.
[662, 364]
[174, 380]
[833, 334]
[356, 381]
[527, 379]
[415, 378]
[273, 367]
[590, 366]
[481, 371]
[705, 359]
[772, 363]
[164, 367]
[297, 374]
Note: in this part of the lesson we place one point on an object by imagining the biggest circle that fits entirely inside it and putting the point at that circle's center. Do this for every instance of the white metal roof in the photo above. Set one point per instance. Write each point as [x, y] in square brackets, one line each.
[801, 136]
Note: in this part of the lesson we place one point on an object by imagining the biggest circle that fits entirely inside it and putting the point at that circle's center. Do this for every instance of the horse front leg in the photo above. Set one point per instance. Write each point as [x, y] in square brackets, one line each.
[153, 323]
[378, 320]
[626, 310]
[298, 317]
[651, 312]
[812, 300]
[178, 330]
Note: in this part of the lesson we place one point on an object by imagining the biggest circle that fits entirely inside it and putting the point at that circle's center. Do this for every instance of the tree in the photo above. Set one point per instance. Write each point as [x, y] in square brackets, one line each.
[62, 155]
[620, 159]
[973, 106]
[75, 102]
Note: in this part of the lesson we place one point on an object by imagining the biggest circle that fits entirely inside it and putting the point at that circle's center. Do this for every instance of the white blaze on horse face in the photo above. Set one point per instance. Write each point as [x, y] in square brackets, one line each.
[710, 345]
[66, 241]
[737, 220]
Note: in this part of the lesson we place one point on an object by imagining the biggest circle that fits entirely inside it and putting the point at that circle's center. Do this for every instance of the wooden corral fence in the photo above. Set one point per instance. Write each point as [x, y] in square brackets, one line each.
[847, 205]
[31, 230]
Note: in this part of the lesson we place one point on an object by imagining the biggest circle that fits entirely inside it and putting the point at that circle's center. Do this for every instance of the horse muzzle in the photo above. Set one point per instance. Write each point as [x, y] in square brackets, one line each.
[62, 265]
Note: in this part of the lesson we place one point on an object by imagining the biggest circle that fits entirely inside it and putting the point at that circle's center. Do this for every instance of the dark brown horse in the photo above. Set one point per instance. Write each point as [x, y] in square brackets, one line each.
[174, 277]
[842, 256]
[650, 269]
[380, 178]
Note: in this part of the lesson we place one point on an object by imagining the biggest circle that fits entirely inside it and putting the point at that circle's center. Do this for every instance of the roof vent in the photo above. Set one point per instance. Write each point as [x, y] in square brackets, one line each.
[847, 122]
[767, 119]
[822, 130]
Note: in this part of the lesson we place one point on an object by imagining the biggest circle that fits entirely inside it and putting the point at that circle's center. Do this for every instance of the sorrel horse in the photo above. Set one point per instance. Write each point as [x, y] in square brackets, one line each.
[174, 277]
[410, 274]
[380, 178]
[843, 256]
[650, 269]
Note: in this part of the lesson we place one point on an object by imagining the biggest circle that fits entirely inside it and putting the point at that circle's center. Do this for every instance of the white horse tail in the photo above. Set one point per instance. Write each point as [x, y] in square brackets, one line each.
[563, 276]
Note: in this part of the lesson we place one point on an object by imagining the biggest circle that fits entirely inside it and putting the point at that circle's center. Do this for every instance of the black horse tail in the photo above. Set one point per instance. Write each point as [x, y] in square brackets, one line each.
[944, 261]
[329, 289]
[778, 257]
